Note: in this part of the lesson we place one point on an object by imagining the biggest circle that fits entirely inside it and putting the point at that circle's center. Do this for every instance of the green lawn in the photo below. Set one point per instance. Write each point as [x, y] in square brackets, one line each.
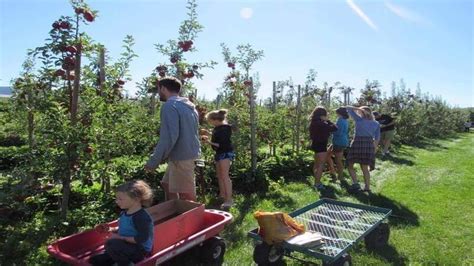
[429, 190]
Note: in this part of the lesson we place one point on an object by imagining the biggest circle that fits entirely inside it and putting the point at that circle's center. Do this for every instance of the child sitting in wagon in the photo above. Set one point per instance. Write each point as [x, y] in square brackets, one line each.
[132, 240]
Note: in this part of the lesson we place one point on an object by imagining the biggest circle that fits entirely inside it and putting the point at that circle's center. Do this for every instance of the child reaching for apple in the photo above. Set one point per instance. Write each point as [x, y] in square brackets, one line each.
[221, 143]
[132, 240]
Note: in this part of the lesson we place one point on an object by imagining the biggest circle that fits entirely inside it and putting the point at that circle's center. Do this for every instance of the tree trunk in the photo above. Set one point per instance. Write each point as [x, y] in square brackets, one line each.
[72, 149]
[101, 70]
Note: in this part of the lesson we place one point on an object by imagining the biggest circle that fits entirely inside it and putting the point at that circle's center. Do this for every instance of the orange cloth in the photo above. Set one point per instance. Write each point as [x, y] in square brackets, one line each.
[275, 227]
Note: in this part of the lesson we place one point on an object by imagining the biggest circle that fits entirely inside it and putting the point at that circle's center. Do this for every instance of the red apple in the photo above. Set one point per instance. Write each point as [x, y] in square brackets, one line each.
[56, 25]
[174, 59]
[248, 83]
[79, 10]
[102, 228]
[59, 73]
[89, 150]
[162, 74]
[120, 82]
[88, 16]
[231, 65]
[64, 25]
[71, 49]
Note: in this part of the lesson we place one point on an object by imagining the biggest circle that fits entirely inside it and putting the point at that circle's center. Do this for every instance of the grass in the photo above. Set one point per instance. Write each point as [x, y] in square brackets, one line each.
[429, 190]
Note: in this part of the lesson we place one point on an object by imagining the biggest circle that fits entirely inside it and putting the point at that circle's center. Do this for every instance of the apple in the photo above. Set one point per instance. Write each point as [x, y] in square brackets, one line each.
[162, 74]
[79, 10]
[89, 16]
[120, 82]
[56, 25]
[161, 68]
[64, 25]
[174, 59]
[71, 49]
[89, 150]
[102, 228]
[59, 73]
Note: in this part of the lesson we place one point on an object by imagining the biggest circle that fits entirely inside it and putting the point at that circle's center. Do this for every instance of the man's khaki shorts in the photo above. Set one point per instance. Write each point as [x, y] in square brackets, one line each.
[180, 176]
[387, 135]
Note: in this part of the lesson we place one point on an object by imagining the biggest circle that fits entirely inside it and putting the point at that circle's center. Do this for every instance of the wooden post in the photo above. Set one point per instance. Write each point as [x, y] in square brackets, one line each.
[329, 97]
[253, 130]
[298, 117]
[153, 103]
[218, 101]
[31, 119]
[274, 97]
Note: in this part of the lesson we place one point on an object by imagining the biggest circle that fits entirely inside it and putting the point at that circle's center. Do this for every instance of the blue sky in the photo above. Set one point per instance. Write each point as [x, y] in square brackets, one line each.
[430, 42]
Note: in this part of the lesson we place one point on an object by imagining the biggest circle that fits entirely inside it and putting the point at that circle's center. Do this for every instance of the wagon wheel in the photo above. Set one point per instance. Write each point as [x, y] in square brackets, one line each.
[378, 237]
[265, 254]
[212, 251]
[344, 260]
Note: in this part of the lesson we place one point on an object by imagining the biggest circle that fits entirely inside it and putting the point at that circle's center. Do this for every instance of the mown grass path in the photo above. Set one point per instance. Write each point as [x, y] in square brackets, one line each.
[430, 190]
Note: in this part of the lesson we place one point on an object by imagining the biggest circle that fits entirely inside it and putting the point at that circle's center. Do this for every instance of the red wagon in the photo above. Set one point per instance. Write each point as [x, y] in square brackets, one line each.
[179, 226]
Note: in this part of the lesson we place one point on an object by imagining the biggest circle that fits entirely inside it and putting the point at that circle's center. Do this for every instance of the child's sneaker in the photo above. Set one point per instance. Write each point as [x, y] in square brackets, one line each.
[226, 205]
[319, 187]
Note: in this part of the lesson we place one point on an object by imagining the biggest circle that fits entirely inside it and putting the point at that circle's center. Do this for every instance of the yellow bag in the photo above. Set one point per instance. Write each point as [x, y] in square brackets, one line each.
[275, 227]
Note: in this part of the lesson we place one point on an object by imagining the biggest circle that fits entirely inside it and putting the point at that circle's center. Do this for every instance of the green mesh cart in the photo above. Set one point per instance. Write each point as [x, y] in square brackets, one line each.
[341, 224]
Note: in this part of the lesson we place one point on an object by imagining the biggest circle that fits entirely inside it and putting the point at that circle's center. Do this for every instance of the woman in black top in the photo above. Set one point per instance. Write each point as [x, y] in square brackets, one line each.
[221, 143]
[320, 128]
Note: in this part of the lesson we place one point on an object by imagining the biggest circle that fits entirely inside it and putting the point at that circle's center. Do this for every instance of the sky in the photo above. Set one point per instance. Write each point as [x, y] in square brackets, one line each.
[425, 41]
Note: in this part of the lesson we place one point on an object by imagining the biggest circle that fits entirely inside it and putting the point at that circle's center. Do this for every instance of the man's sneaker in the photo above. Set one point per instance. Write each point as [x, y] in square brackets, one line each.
[355, 187]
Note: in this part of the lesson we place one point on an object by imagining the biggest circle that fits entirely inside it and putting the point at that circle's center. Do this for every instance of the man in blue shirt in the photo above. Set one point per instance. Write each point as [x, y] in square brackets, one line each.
[179, 142]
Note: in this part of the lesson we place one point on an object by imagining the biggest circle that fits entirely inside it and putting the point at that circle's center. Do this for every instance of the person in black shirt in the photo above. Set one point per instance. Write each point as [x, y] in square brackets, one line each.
[320, 129]
[387, 131]
[221, 143]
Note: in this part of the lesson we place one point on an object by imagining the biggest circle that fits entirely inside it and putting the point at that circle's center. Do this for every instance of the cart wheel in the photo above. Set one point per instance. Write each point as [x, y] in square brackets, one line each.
[344, 260]
[265, 254]
[378, 238]
[212, 251]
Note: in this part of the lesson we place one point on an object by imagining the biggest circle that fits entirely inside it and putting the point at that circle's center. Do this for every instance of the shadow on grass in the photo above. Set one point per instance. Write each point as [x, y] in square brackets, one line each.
[401, 215]
[431, 144]
[391, 255]
[398, 160]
